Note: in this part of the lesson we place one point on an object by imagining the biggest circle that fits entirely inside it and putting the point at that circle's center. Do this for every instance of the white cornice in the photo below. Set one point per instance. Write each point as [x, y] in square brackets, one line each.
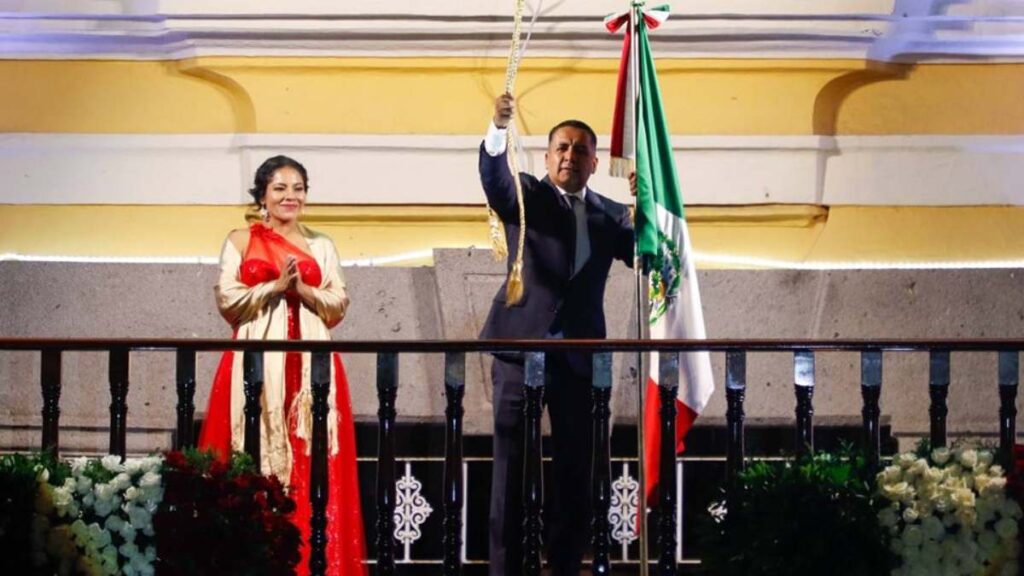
[910, 30]
[810, 170]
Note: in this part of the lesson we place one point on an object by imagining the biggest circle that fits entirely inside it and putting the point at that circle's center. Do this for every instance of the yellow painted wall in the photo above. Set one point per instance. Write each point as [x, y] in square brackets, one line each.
[937, 99]
[109, 97]
[800, 235]
[451, 95]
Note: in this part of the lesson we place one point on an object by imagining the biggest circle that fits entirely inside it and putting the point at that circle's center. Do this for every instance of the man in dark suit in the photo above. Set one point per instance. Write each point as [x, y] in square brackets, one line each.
[573, 234]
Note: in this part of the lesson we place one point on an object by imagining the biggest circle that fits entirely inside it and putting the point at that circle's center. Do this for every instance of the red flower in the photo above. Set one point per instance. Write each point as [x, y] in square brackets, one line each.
[175, 460]
[218, 468]
[1018, 460]
[217, 520]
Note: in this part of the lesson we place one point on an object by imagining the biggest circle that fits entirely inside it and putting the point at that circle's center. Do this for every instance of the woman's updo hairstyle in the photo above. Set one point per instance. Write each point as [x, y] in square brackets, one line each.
[266, 171]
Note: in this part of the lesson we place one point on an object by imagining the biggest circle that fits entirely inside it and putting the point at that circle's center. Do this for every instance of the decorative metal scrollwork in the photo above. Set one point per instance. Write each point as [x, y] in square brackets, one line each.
[622, 513]
[411, 509]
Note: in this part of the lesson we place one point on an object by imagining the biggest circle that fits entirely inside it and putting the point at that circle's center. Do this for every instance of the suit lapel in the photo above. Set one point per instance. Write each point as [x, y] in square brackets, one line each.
[556, 196]
[595, 220]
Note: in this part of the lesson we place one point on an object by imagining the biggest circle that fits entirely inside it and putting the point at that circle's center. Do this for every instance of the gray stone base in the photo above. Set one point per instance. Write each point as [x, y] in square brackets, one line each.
[450, 300]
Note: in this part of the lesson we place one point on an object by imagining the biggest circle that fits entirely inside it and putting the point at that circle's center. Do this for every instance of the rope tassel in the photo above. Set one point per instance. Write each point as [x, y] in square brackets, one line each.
[514, 286]
[497, 233]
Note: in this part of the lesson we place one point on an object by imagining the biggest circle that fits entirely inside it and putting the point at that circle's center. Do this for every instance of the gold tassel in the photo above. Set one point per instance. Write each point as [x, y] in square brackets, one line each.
[498, 249]
[514, 285]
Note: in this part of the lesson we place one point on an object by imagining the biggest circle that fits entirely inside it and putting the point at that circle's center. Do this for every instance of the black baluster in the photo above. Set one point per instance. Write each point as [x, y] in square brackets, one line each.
[252, 386]
[118, 371]
[319, 482]
[601, 473]
[871, 391]
[938, 390]
[387, 392]
[668, 390]
[532, 474]
[49, 375]
[1008, 382]
[186, 384]
[803, 384]
[735, 392]
[454, 389]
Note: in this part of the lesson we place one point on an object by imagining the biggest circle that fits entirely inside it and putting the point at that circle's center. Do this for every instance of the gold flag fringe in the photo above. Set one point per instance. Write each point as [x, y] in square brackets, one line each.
[622, 167]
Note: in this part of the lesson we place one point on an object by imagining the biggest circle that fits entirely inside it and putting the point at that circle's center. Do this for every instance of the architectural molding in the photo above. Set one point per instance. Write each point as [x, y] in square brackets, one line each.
[215, 169]
[889, 31]
[763, 236]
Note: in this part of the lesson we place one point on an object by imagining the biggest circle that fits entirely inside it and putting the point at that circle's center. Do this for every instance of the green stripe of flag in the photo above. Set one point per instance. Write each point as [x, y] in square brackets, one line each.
[657, 181]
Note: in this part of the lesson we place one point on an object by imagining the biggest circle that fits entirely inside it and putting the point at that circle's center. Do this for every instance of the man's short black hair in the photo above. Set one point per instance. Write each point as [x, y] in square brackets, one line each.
[577, 124]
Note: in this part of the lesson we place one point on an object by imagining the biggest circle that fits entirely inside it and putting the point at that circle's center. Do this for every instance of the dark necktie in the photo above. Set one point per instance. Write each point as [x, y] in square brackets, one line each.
[579, 210]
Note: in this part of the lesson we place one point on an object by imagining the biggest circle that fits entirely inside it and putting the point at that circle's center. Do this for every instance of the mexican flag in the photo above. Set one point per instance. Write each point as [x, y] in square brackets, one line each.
[641, 142]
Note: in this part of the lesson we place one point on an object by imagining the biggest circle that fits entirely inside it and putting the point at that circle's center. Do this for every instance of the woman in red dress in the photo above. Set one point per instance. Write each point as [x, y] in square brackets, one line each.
[280, 280]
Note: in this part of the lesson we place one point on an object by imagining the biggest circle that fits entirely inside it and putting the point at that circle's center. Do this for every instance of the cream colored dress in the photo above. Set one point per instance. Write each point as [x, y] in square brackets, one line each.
[256, 314]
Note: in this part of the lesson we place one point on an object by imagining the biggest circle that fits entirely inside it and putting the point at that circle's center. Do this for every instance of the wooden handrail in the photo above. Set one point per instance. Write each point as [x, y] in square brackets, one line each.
[438, 346]
[388, 351]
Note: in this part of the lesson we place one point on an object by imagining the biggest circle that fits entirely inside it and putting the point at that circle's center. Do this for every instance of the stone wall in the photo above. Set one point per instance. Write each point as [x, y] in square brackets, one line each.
[450, 300]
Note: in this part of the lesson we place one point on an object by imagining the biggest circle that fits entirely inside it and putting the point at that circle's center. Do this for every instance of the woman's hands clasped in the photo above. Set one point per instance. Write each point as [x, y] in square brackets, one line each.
[291, 279]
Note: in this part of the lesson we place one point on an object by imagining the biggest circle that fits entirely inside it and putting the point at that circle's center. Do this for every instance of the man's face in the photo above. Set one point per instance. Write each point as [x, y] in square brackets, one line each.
[571, 159]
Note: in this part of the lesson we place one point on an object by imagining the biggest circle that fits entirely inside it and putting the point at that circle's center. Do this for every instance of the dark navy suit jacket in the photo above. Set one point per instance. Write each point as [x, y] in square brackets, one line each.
[552, 296]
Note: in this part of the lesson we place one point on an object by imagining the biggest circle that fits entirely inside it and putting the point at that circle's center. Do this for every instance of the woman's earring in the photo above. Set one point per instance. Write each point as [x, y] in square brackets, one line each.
[263, 213]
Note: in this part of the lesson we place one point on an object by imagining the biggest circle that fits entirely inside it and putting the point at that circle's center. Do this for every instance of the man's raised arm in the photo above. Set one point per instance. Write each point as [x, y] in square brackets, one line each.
[494, 173]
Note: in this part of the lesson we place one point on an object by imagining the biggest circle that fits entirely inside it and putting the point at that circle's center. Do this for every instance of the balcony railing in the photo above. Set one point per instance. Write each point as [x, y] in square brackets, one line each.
[387, 353]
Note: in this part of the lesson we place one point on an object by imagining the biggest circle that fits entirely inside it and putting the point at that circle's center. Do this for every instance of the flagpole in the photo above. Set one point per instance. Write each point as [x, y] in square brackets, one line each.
[641, 452]
[641, 373]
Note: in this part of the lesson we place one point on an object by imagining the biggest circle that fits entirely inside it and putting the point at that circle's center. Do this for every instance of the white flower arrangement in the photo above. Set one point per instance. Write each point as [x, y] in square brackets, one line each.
[949, 514]
[94, 527]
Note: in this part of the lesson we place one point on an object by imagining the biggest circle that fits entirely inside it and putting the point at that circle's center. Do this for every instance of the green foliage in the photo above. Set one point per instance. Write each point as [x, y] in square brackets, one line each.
[19, 484]
[815, 515]
[241, 463]
[95, 471]
[199, 459]
[923, 448]
[17, 498]
[203, 461]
